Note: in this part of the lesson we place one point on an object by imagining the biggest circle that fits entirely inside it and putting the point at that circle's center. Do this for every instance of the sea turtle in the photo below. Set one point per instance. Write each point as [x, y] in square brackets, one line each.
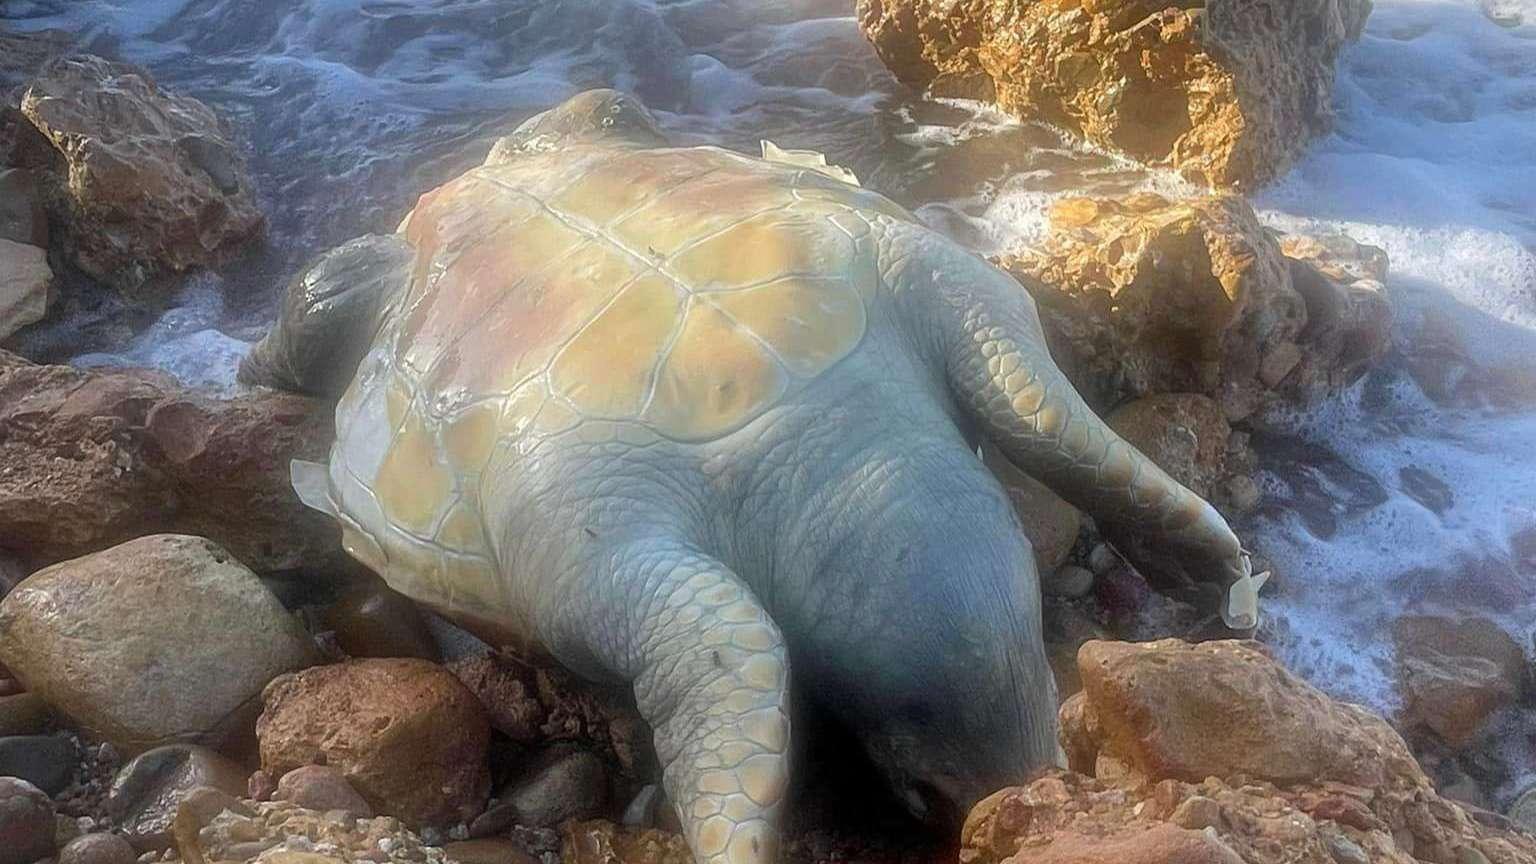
[688, 419]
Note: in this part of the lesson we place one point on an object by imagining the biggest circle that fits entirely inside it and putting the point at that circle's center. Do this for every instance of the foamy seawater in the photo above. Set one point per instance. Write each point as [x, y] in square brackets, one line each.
[1384, 502]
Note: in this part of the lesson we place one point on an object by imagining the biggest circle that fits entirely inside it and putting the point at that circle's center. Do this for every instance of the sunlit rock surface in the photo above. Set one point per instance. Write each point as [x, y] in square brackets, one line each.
[1144, 295]
[1227, 93]
[1215, 753]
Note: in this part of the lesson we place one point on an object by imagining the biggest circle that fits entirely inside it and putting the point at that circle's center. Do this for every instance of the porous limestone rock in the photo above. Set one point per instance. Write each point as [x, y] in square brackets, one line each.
[98, 457]
[1145, 295]
[1189, 754]
[1227, 93]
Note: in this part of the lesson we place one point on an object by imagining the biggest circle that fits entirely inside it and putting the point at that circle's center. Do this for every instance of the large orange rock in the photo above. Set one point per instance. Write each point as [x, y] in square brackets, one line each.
[1214, 753]
[406, 734]
[97, 457]
[154, 184]
[1144, 295]
[1170, 709]
[1226, 93]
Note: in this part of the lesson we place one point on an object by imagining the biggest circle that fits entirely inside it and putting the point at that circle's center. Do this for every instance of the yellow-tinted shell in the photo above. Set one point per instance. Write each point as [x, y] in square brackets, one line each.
[623, 293]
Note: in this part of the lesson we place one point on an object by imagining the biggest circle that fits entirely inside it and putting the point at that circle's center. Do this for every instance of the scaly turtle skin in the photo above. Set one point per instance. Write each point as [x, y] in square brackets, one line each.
[687, 419]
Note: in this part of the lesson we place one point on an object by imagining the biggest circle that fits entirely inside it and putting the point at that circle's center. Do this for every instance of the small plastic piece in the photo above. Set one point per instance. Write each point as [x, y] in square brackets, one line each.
[812, 159]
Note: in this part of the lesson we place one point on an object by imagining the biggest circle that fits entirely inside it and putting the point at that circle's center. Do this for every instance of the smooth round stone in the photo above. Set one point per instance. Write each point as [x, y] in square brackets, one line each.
[1069, 580]
[98, 849]
[146, 792]
[26, 823]
[1523, 811]
[318, 787]
[46, 761]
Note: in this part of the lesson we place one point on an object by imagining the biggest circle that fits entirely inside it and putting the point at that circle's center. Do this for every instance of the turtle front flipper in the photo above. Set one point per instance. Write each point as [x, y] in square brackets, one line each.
[711, 677]
[329, 315]
[986, 331]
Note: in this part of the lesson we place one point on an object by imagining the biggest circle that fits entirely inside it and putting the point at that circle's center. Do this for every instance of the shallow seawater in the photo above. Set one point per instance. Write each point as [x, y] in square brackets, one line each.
[1384, 502]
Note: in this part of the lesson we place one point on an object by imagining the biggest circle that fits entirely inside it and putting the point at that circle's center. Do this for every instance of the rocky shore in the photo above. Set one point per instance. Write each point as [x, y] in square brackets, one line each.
[192, 670]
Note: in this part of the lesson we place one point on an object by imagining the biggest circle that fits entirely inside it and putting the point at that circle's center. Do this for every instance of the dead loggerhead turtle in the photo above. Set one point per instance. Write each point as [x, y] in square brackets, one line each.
[688, 419]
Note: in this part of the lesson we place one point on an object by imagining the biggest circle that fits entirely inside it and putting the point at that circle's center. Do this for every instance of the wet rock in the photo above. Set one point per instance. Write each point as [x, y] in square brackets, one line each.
[155, 186]
[89, 636]
[1143, 295]
[372, 620]
[22, 217]
[1227, 94]
[1050, 523]
[598, 842]
[320, 787]
[489, 850]
[405, 733]
[46, 761]
[146, 792]
[26, 823]
[97, 457]
[98, 849]
[1455, 673]
[24, 714]
[24, 281]
[563, 784]
[1152, 718]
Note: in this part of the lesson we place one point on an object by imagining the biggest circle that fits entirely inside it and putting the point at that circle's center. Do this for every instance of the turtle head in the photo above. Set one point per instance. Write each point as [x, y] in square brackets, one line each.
[948, 691]
[606, 117]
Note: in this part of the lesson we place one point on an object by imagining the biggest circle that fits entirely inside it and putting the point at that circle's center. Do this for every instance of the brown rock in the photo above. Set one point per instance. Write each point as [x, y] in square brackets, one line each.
[405, 733]
[1050, 523]
[1150, 712]
[372, 620]
[98, 457]
[26, 822]
[90, 637]
[1170, 709]
[98, 849]
[146, 792]
[1184, 433]
[321, 787]
[155, 186]
[599, 842]
[1455, 673]
[488, 850]
[1143, 296]
[1228, 94]
[24, 280]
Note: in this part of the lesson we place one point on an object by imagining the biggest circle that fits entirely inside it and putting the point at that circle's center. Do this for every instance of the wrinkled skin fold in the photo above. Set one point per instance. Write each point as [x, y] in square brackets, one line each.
[707, 425]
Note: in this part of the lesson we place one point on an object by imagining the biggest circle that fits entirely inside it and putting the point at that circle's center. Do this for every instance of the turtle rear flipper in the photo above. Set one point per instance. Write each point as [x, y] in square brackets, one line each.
[329, 316]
